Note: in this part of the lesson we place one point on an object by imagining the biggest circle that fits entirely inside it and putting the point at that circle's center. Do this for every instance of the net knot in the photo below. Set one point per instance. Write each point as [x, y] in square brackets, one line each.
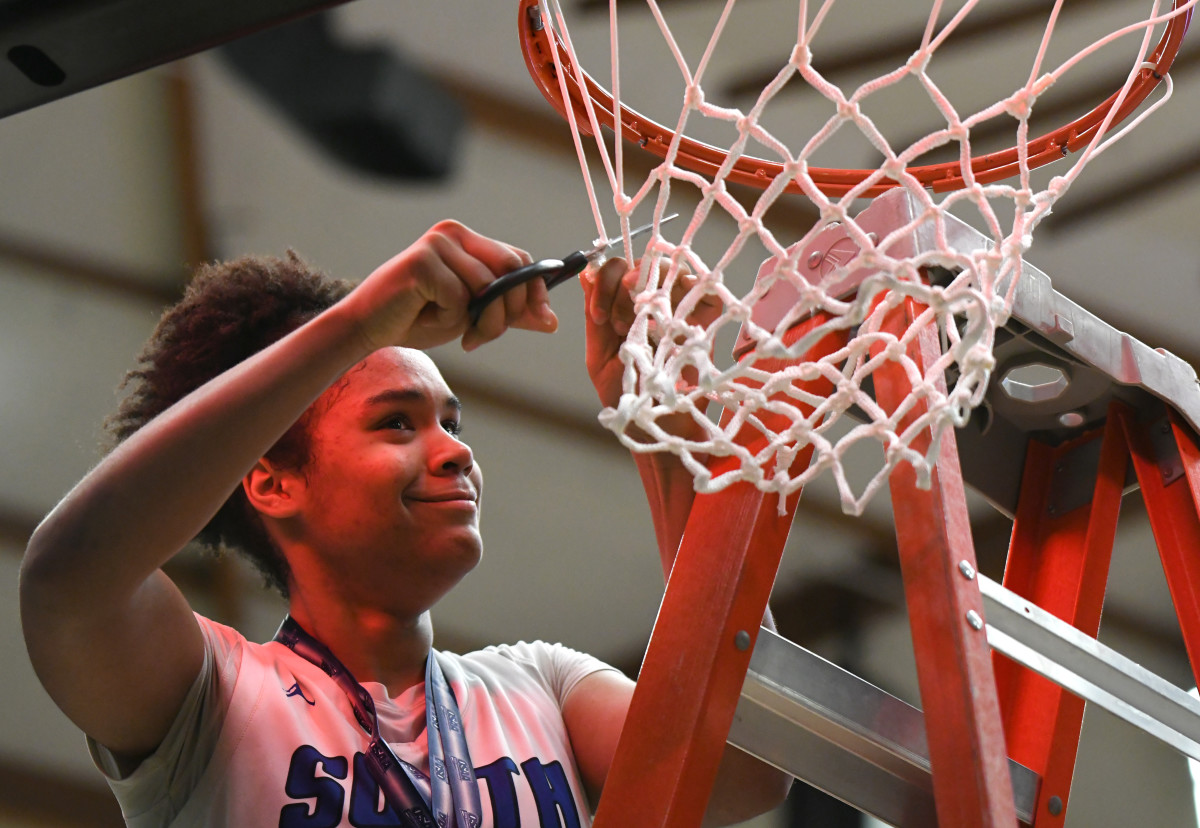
[1020, 103]
[801, 56]
[748, 224]
[918, 62]
[893, 168]
[895, 350]
[958, 132]
[1057, 186]
[821, 329]
[625, 410]
[808, 372]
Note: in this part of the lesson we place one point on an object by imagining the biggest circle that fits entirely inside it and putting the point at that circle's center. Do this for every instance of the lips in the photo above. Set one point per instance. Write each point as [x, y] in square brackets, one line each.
[450, 496]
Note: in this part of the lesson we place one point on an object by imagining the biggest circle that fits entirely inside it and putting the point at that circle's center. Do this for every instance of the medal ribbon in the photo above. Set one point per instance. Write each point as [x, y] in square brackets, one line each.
[455, 793]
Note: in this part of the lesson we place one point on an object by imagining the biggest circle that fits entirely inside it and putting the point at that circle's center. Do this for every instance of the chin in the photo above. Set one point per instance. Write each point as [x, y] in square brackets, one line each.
[463, 556]
[475, 556]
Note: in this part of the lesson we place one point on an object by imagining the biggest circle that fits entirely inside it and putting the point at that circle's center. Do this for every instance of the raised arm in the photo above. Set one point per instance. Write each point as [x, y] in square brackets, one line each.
[744, 787]
[667, 482]
[111, 638]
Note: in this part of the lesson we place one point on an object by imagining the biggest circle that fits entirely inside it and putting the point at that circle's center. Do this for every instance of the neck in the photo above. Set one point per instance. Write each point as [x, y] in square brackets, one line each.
[372, 644]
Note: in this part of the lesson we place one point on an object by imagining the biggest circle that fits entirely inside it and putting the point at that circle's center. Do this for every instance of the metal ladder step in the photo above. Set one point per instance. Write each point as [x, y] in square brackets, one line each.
[828, 727]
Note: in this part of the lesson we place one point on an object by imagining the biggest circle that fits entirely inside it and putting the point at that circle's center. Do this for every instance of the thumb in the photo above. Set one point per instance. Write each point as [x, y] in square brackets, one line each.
[601, 337]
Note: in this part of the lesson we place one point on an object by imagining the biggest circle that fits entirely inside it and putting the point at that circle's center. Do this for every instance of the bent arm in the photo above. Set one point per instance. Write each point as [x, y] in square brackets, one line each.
[111, 638]
[744, 786]
[595, 715]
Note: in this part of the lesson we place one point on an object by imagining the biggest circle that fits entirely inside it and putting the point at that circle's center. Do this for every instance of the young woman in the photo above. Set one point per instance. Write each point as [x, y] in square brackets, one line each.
[286, 416]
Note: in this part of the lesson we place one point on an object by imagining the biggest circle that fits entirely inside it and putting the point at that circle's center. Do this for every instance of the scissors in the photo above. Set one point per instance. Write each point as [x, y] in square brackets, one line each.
[553, 271]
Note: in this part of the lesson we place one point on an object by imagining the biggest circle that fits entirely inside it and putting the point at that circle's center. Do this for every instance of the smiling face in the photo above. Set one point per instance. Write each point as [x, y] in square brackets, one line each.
[389, 500]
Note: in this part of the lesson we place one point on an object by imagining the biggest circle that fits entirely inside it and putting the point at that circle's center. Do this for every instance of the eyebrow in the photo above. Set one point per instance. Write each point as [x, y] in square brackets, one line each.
[409, 395]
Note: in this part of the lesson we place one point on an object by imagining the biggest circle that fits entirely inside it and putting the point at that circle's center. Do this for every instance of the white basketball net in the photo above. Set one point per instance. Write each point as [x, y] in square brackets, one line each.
[664, 347]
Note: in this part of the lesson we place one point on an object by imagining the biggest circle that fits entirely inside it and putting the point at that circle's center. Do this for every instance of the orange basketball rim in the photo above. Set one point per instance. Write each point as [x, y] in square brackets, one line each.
[540, 59]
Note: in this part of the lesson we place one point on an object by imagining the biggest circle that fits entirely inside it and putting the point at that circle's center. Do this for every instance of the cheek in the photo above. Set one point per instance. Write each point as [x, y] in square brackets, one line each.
[357, 484]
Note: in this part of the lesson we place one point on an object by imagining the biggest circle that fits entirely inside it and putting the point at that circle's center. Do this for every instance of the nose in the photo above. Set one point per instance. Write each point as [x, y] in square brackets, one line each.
[450, 455]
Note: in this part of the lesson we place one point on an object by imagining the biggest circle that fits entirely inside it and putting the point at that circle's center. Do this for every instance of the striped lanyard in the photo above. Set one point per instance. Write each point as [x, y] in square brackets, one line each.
[454, 791]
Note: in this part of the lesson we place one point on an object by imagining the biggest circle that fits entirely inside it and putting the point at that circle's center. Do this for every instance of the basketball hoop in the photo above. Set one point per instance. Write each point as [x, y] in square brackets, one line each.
[833, 333]
[547, 60]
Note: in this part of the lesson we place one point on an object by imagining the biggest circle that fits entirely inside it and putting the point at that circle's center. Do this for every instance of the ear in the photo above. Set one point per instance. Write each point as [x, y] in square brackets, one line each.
[273, 491]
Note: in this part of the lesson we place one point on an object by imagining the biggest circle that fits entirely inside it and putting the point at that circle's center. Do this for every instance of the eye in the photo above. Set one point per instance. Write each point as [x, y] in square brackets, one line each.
[399, 422]
[453, 427]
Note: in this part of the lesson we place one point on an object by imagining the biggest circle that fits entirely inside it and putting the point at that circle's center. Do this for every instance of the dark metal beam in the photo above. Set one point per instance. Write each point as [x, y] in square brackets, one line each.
[57, 49]
[189, 175]
[84, 271]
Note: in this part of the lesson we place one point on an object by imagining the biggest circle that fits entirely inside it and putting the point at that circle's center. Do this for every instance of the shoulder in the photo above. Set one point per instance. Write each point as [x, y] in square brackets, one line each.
[554, 668]
[221, 640]
[232, 651]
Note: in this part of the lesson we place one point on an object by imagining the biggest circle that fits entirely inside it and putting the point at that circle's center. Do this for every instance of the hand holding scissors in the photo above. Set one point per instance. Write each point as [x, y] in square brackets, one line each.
[553, 271]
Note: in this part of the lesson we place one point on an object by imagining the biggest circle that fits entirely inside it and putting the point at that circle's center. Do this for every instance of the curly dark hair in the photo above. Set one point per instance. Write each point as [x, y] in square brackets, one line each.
[230, 311]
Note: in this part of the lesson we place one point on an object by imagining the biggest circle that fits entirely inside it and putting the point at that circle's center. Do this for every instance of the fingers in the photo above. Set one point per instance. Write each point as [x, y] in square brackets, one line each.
[528, 306]
[420, 297]
[704, 307]
[610, 300]
[610, 313]
[525, 306]
[612, 287]
[496, 257]
[545, 320]
[476, 261]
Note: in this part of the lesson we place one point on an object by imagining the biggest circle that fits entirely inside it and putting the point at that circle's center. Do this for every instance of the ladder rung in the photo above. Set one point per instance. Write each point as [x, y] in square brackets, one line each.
[1071, 659]
[847, 737]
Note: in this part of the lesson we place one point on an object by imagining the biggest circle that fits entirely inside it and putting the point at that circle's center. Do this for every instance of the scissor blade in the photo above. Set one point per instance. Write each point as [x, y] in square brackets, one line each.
[602, 247]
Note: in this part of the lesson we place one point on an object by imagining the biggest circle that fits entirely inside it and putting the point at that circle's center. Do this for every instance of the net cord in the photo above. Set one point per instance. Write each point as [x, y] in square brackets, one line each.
[652, 373]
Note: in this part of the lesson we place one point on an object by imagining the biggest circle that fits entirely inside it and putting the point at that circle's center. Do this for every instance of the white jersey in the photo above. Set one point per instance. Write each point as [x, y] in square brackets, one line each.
[265, 738]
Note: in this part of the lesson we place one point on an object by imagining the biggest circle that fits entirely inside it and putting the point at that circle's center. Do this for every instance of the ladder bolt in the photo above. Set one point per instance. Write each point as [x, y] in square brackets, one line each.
[967, 570]
[742, 640]
[1054, 806]
[974, 619]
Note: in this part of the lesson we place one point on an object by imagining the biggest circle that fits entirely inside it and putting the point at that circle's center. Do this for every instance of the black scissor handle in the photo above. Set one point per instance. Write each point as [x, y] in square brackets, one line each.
[545, 268]
[553, 271]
